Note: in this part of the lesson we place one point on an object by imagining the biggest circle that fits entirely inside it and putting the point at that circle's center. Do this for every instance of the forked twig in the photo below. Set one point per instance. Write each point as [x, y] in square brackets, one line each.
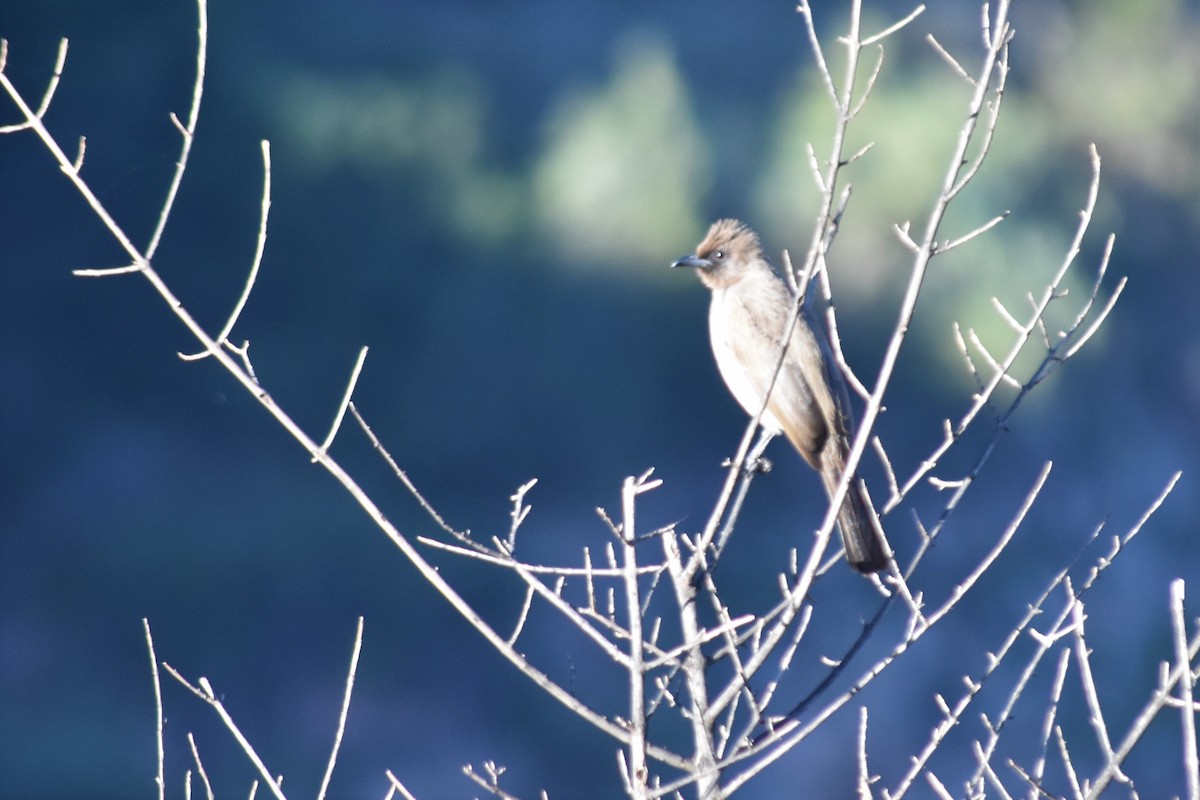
[205, 692]
[259, 249]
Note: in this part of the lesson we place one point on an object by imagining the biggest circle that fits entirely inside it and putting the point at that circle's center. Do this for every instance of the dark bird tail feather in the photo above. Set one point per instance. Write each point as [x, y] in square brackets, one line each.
[862, 536]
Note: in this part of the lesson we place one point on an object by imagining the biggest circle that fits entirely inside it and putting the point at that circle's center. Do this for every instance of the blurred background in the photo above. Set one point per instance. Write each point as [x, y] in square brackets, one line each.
[488, 195]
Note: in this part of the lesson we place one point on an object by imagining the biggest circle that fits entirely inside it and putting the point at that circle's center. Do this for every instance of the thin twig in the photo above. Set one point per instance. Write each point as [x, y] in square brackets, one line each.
[398, 786]
[60, 62]
[1095, 712]
[205, 692]
[341, 727]
[188, 131]
[1003, 367]
[1160, 698]
[864, 774]
[637, 772]
[1068, 764]
[1191, 759]
[949, 59]
[160, 776]
[702, 770]
[894, 27]
[404, 479]
[208, 790]
[522, 617]
[259, 249]
[1048, 724]
[341, 412]
[946, 247]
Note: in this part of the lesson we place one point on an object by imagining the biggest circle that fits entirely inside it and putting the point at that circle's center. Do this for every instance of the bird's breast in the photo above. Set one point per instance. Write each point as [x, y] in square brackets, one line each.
[734, 337]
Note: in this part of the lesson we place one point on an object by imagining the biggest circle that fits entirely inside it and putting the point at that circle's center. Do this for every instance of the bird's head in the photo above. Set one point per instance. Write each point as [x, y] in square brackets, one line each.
[723, 256]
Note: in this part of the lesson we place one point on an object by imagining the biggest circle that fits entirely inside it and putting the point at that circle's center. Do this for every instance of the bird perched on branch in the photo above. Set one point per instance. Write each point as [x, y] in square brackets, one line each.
[747, 321]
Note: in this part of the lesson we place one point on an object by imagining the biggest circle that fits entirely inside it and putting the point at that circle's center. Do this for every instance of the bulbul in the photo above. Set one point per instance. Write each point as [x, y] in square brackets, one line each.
[747, 320]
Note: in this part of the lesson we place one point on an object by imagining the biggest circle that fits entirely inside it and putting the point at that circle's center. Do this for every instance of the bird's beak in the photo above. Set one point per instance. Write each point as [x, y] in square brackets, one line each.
[693, 261]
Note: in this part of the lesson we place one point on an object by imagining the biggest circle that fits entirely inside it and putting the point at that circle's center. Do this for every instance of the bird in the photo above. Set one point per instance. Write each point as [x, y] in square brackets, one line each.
[747, 320]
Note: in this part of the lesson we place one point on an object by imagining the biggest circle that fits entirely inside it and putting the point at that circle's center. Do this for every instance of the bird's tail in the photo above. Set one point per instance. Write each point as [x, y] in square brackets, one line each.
[862, 535]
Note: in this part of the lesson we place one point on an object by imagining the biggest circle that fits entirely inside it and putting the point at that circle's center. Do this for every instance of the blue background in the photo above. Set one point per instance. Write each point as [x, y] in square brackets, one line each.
[488, 195]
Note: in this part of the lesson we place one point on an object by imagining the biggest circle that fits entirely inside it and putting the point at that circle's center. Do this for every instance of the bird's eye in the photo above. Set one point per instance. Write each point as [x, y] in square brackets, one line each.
[717, 255]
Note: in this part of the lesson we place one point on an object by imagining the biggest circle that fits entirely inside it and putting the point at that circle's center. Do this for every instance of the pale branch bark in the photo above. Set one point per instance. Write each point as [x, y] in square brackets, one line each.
[704, 772]
[638, 772]
[398, 786]
[160, 776]
[203, 773]
[1055, 356]
[203, 689]
[789, 732]
[255, 264]
[1187, 681]
[1069, 622]
[1160, 699]
[345, 712]
[1048, 723]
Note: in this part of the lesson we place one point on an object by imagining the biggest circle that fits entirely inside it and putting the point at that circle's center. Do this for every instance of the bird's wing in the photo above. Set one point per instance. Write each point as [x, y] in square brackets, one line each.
[755, 347]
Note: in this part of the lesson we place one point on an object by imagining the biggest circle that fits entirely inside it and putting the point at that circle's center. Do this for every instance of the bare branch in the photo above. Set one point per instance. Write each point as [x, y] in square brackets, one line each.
[991, 775]
[926, 250]
[1052, 359]
[902, 233]
[160, 776]
[1183, 664]
[637, 773]
[703, 770]
[492, 781]
[1048, 724]
[47, 96]
[188, 132]
[106, 271]
[998, 368]
[864, 774]
[862, 101]
[938, 787]
[894, 27]
[519, 512]
[259, 249]
[398, 786]
[818, 51]
[887, 465]
[77, 164]
[205, 692]
[993, 109]
[1082, 339]
[341, 412]
[946, 247]
[522, 617]
[1068, 765]
[404, 479]
[208, 791]
[1159, 699]
[341, 726]
[949, 59]
[1017, 327]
